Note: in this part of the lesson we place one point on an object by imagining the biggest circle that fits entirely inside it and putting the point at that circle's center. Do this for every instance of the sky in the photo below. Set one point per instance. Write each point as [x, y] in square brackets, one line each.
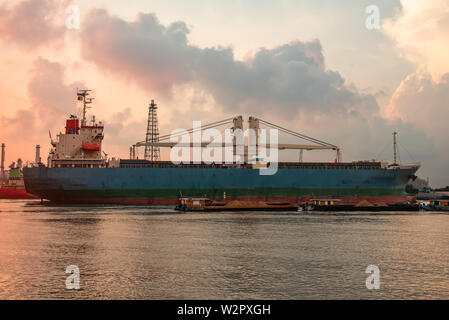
[310, 66]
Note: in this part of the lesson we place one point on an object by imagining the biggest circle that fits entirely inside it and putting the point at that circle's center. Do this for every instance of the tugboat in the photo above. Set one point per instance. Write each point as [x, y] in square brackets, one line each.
[436, 205]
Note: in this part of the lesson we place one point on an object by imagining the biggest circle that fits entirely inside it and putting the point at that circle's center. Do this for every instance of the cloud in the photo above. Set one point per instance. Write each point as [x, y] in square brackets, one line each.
[31, 23]
[50, 99]
[154, 56]
[289, 77]
[421, 32]
[422, 101]
[123, 132]
[158, 58]
[16, 126]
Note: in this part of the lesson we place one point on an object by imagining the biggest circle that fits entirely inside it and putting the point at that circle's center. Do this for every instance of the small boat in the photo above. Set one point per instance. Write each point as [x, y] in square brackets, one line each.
[11, 182]
[90, 146]
[13, 187]
[436, 205]
[13, 192]
[206, 204]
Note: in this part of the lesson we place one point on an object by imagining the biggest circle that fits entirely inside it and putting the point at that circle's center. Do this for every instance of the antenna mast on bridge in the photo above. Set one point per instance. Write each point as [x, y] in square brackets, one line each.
[82, 96]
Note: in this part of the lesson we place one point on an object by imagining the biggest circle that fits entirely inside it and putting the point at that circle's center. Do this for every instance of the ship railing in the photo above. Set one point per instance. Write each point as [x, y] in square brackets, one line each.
[281, 165]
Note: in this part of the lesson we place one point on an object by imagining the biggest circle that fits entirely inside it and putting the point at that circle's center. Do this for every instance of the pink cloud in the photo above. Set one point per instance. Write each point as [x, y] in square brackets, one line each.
[159, 57]
[143, 51]
[422, 101]
[50, 97]
[50, 101]
[31, 23]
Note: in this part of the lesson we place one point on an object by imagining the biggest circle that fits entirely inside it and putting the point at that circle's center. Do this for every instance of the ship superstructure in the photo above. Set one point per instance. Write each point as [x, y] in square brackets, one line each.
[80, 145]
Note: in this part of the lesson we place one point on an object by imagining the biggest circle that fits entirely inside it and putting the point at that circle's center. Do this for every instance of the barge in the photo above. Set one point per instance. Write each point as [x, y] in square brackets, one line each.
[207, 205]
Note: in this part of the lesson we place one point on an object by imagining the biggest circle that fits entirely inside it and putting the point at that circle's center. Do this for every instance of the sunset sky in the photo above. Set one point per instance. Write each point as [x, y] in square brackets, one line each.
[311, 66]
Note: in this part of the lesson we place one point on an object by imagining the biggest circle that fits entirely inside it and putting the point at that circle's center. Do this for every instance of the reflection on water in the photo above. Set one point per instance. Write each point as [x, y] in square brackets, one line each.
[154, 253]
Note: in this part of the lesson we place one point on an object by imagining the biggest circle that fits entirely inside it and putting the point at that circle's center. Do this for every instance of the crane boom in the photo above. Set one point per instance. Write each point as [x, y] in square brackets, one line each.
[281, 146]
[254, 124]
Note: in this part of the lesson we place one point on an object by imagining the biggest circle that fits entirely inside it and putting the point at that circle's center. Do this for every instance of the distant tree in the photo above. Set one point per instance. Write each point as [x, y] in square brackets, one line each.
[443, 189]
[420, 184]
[411, 189]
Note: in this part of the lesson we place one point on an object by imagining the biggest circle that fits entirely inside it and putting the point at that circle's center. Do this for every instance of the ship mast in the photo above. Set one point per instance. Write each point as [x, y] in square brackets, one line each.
[2, 164]
[152, 153]
[82, 95]
[395, 147]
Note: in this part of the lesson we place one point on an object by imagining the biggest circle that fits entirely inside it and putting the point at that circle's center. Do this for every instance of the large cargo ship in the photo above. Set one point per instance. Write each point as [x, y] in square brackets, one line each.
[77, 172]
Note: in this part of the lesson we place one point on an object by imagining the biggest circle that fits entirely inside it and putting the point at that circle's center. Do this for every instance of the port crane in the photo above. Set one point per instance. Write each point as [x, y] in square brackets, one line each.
[237, 123]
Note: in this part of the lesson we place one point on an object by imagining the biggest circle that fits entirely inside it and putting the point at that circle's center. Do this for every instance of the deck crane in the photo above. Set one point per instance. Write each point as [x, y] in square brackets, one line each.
[253, 123]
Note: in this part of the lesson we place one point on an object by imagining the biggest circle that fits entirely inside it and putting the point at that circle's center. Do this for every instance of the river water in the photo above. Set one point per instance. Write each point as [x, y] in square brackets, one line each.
[136, 252]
